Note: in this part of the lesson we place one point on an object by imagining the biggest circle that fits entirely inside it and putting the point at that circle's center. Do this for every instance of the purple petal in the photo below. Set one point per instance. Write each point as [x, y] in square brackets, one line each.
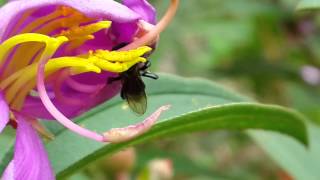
[4, 112]
[142, 7]
[30, 161]
[34, 107]
[103, 9]
[8, 173]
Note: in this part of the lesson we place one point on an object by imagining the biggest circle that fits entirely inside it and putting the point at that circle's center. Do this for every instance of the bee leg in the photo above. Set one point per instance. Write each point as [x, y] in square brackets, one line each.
[122, 95]
[146, 65]
[150, 75]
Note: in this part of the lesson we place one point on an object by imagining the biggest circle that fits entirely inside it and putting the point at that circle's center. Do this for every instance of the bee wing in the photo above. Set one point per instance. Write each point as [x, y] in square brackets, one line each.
[138, 103]
[133, 91]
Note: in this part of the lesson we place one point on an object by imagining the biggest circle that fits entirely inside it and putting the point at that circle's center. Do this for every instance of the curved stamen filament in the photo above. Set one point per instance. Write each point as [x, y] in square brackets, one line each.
[115, 135]
[55, 112]
[17, 95]
[84, 88]
[41, 129]
[109, 61]
[21, 81]
[153, 34]
[61, 77]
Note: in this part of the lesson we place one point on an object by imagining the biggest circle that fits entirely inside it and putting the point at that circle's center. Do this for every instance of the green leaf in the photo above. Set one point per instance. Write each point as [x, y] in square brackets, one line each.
[197, 105]
[308, 5]
[2, 2]
[299, 162]
[7, 139]
[182, 164]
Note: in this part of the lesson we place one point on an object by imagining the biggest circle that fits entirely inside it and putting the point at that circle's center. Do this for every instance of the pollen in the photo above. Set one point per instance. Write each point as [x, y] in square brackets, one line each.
[118, 61]
[122, 56]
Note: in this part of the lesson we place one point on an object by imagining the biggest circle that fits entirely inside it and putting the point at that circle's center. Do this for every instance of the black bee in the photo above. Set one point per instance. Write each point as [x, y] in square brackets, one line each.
[133, 87]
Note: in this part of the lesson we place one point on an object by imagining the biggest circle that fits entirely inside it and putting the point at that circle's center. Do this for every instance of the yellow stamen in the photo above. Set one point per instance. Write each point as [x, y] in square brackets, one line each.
[22, 57]
[80, 34]
[21, 82]
[66, 22]
[28, 37]
[27, 81]
[117, 67]
[78, 65]
[6, 46]
[40, 21]
[24, 17]
[51, 45]
[85, 32]
[76, 35]
[122, 56]
[17, 103]
[12, 116]
[116, 61]
[42, 129]
[26, 52]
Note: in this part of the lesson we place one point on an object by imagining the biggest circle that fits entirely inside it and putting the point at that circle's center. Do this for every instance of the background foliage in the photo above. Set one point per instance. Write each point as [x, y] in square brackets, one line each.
[267, 50]
[262, 49]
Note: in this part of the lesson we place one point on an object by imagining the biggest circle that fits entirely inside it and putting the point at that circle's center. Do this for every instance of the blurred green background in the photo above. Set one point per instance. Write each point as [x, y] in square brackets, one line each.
[264, 49]
[261, 48]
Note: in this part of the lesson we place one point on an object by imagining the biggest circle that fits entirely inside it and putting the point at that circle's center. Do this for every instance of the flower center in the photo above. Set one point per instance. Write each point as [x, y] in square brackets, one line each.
[35, 51]
[18, 84]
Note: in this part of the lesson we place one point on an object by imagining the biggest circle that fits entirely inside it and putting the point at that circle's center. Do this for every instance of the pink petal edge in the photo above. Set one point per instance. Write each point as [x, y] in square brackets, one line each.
[30, 161]
[117, 135]
[4, 112]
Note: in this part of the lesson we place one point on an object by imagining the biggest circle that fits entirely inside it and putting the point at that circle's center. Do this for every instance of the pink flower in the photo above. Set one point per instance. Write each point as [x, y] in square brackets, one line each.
[56, 57]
